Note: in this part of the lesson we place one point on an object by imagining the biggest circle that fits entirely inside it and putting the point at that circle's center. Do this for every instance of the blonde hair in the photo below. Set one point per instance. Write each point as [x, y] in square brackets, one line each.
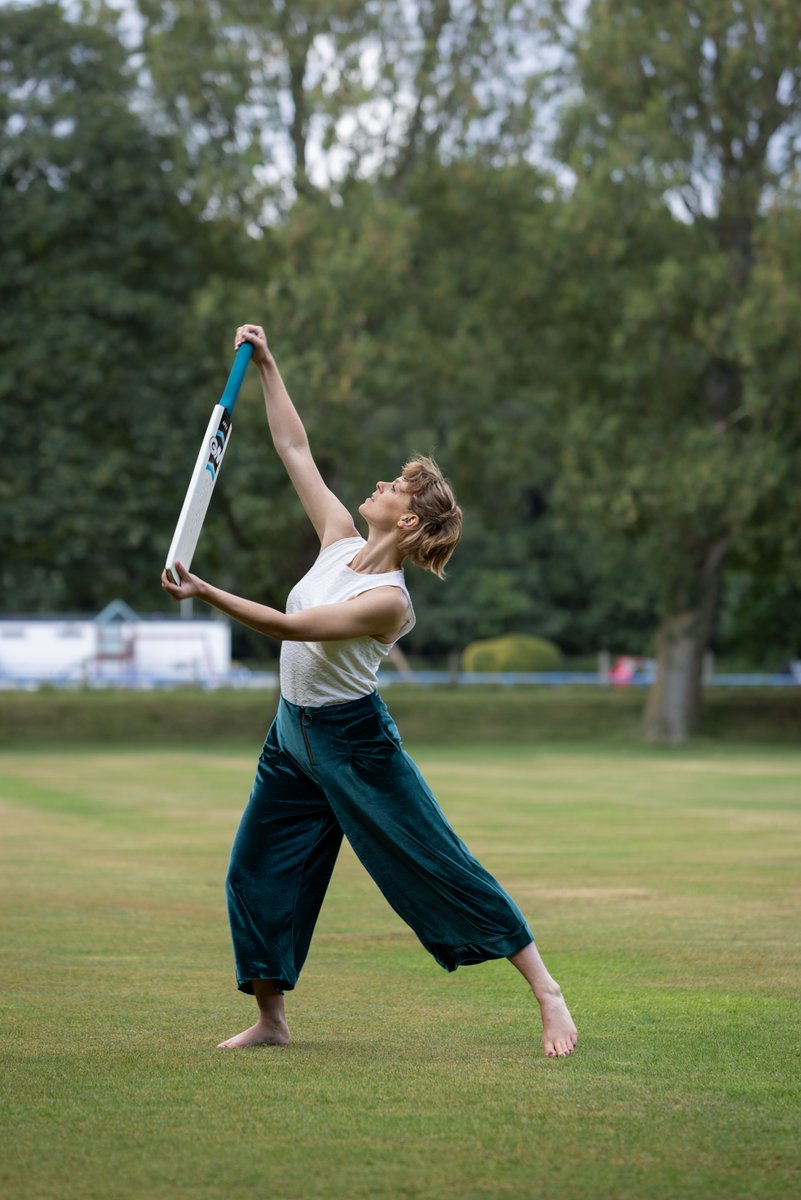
[431, 543]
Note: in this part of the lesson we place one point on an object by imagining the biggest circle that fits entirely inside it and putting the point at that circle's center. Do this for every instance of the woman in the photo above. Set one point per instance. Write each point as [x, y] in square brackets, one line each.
[332, 761]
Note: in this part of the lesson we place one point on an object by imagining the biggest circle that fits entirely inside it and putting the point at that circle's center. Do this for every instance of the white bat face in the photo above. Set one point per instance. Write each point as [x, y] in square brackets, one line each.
[198, 494]
[207, 467]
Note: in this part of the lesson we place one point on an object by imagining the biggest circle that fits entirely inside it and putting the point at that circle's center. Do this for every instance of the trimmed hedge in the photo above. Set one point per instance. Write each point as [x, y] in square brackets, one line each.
[514, 652]
[441, 714]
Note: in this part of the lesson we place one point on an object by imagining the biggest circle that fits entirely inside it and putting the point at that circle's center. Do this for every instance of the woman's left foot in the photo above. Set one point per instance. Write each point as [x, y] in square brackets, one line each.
[559, 1035]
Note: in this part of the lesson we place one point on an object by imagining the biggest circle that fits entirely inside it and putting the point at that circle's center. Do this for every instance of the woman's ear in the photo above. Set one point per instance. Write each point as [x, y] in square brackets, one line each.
[409, 521]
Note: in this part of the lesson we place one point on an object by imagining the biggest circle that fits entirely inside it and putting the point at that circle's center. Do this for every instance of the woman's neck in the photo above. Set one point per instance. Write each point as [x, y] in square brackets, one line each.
[379, 555]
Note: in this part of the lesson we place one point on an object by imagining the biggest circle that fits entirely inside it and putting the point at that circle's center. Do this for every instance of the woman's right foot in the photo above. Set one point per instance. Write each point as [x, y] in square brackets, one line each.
[266, 1032]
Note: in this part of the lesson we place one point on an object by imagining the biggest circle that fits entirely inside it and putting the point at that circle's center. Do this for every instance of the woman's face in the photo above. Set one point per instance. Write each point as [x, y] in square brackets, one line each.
[388, 504]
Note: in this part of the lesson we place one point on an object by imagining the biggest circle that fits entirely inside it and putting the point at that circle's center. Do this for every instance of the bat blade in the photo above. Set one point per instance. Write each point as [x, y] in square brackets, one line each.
[198, 494]
[207, 468]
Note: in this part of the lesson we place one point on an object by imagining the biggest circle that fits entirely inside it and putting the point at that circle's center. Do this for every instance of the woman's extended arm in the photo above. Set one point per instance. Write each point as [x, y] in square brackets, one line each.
[327, 514]
[378, 613]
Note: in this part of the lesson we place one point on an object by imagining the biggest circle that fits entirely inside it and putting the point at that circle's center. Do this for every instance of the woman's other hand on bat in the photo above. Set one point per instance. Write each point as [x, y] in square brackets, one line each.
[187, 586]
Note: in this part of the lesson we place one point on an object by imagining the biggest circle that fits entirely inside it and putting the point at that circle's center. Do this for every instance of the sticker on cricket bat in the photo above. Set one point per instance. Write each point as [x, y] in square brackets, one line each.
[217, 445]
[207, 469]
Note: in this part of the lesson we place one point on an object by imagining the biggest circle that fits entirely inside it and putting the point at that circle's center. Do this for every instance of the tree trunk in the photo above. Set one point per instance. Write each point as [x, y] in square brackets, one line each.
[431, 27]
[673, 708]
[298, 39]
[673, 694]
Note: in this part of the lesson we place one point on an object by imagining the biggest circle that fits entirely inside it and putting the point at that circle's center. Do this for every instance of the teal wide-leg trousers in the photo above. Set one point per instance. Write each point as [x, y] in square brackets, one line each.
[341, 769]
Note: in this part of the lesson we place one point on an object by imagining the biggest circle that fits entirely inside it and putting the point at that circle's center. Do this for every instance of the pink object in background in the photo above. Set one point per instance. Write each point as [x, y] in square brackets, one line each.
[623, 671]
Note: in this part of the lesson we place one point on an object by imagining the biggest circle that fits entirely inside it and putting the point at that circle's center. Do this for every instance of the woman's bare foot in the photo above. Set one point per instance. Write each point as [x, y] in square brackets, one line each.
[271, 1028]
[266, 1032]
[559, 1034]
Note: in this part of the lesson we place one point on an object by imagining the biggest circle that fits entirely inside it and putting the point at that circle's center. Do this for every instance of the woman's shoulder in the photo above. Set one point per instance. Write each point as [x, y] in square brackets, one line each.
[344, 545]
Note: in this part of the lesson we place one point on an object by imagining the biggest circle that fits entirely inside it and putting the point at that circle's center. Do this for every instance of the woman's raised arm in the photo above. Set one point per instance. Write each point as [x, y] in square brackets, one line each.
[326, 512]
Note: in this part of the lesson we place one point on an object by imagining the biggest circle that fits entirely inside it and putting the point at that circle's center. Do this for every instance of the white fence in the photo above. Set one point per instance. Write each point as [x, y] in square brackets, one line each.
[242, 678]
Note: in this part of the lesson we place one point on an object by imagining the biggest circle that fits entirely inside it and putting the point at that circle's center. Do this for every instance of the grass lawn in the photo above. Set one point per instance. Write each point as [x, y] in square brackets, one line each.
[665, 891]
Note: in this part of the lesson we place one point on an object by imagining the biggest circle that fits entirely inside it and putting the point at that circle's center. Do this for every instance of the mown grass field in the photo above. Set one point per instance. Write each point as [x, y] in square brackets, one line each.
[665, 891]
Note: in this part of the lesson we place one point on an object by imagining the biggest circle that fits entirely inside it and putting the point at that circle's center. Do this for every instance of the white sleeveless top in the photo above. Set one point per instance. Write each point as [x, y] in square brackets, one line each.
[314, 674]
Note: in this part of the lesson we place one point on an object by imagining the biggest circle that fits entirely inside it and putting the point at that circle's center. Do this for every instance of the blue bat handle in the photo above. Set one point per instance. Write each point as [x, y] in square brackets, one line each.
[243, 356]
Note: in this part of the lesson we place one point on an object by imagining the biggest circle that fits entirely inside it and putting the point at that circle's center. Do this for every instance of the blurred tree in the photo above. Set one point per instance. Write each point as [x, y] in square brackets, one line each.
[487, 365]
[403, 322]
[274, 101]
[100, 349]
[681, 430]
[762, 604]
[427, 326]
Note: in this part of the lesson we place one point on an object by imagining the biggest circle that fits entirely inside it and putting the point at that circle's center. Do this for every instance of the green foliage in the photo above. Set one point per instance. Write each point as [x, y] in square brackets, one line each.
[608, 374]
[392, 342]
[100, 352]
[278, 102]
[518, 652]
[682, 429]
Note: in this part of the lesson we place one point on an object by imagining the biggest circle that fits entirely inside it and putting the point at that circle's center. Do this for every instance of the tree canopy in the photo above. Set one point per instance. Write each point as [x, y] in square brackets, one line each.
[564, 259]
[101, 261]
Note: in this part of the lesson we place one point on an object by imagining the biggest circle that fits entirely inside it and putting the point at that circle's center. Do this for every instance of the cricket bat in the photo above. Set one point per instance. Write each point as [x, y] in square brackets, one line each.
[207, 468]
